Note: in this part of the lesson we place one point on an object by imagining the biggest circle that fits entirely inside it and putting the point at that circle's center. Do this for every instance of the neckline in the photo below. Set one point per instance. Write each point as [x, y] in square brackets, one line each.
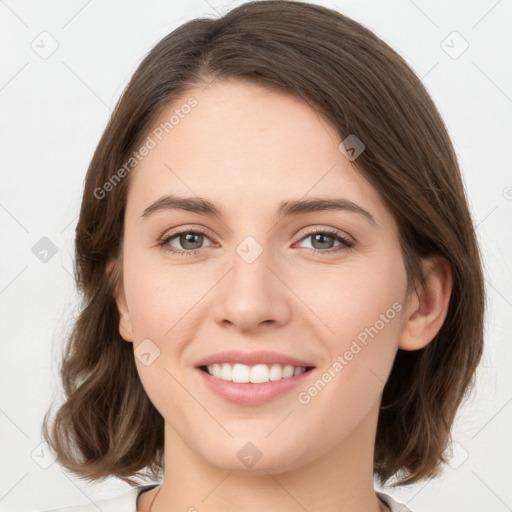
[142, 490]
[146, 488]
[383, 500]
[380, 495]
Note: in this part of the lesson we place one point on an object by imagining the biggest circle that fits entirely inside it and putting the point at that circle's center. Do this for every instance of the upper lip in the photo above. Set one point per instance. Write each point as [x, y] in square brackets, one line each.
[251, 358]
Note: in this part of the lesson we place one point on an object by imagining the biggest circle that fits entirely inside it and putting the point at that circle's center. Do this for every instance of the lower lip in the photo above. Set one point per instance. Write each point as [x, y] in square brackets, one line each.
[250, 393]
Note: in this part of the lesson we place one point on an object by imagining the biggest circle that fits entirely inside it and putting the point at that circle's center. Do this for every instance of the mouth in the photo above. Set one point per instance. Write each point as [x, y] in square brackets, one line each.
[253, 374]
[255, 385]
[253, 378]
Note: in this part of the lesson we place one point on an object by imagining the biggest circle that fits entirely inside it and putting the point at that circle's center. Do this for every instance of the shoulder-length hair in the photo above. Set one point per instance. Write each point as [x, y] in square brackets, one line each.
[107, 426]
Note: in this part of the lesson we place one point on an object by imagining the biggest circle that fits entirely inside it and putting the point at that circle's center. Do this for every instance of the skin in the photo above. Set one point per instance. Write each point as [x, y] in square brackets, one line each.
[246, 148]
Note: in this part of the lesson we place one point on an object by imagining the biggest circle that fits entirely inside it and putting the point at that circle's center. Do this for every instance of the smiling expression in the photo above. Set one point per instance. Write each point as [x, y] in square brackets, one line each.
[247, 229]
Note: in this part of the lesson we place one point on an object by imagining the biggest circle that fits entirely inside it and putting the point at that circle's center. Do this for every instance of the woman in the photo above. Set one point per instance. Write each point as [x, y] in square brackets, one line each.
[283, 294]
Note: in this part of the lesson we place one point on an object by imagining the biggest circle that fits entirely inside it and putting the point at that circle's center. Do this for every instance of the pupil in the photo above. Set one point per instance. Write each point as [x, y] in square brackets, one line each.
[322, 236]
[188, 238]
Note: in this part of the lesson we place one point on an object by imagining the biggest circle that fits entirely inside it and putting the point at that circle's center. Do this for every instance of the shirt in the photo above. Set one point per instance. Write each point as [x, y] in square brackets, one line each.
[127, 502]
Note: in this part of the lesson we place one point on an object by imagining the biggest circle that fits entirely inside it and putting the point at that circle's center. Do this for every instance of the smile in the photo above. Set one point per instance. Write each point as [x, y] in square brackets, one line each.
[234, 383]
[256, 374]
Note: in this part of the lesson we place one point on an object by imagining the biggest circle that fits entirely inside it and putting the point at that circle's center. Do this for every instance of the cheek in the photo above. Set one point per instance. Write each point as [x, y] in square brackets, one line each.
[358, 297]
[362, 309]
[159, 296]
[161, 304]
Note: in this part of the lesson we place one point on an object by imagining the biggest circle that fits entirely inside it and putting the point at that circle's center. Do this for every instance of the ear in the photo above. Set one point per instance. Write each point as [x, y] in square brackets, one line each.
[125, 324]
[426, 310]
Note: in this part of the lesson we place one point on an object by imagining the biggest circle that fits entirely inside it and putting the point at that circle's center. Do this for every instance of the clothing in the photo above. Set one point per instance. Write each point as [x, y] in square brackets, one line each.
[127, 502]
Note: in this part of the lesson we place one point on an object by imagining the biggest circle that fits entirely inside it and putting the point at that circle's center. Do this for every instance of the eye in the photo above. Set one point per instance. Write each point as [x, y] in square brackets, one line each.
[190, 240]
[323, 240]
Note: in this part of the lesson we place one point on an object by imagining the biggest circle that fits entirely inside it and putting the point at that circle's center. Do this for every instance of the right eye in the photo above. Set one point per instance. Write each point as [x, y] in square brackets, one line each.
[188, 239]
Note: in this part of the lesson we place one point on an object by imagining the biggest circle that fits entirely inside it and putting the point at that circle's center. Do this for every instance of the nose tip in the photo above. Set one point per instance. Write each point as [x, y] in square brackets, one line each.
[251, 296]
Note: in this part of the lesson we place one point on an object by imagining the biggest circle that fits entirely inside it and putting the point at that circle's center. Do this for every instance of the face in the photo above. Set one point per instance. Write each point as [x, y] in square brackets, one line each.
[325, 286]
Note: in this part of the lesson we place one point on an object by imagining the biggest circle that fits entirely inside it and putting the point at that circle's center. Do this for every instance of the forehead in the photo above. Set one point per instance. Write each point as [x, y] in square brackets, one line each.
[245, 146]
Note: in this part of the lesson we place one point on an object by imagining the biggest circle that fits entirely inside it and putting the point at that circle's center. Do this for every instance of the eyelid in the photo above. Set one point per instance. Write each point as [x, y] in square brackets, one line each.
[193, 227]
[309, 230]
[329, 230]
[184, 229]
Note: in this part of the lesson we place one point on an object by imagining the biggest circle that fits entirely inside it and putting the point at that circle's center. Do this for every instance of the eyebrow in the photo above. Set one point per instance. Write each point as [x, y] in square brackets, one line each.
[286, 208]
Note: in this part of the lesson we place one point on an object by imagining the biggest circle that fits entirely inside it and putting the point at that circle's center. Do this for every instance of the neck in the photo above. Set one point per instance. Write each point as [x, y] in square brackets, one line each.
[339, 480]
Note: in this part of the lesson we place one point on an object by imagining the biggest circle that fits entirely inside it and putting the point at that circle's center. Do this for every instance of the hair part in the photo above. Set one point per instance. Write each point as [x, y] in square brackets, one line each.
[108, 426]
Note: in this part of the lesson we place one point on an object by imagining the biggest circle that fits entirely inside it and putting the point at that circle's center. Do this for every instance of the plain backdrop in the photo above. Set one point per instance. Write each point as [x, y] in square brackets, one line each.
[63, 66]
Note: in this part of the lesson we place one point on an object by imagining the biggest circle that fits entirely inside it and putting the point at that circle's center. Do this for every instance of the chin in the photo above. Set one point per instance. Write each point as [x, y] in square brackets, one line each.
[246, 457]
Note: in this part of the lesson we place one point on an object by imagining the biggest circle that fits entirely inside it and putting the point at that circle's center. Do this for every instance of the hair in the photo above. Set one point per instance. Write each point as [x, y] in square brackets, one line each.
[107, 426]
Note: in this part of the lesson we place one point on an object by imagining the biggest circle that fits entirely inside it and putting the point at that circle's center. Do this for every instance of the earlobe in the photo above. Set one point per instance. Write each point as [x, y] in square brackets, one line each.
[125, 325]
[427, 309]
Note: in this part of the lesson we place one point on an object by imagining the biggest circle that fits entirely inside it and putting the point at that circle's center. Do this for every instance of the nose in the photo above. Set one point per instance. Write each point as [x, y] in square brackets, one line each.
[252, 295]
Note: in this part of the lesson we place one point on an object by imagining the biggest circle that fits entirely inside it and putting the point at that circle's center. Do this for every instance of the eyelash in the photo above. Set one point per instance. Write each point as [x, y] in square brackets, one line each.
[345, 242]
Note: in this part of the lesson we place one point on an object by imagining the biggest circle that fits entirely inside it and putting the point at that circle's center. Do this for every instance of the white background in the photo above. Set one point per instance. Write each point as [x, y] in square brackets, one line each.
[53, 112]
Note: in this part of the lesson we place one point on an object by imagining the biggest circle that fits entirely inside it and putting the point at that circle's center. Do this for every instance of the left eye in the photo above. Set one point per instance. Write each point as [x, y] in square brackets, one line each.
[318, 239]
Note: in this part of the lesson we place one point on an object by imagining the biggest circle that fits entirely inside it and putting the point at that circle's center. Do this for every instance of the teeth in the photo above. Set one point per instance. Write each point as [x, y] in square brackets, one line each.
[256, 374]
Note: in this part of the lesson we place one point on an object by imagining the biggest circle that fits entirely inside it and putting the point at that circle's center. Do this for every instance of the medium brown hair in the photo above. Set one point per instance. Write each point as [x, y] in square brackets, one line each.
[107, 425]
